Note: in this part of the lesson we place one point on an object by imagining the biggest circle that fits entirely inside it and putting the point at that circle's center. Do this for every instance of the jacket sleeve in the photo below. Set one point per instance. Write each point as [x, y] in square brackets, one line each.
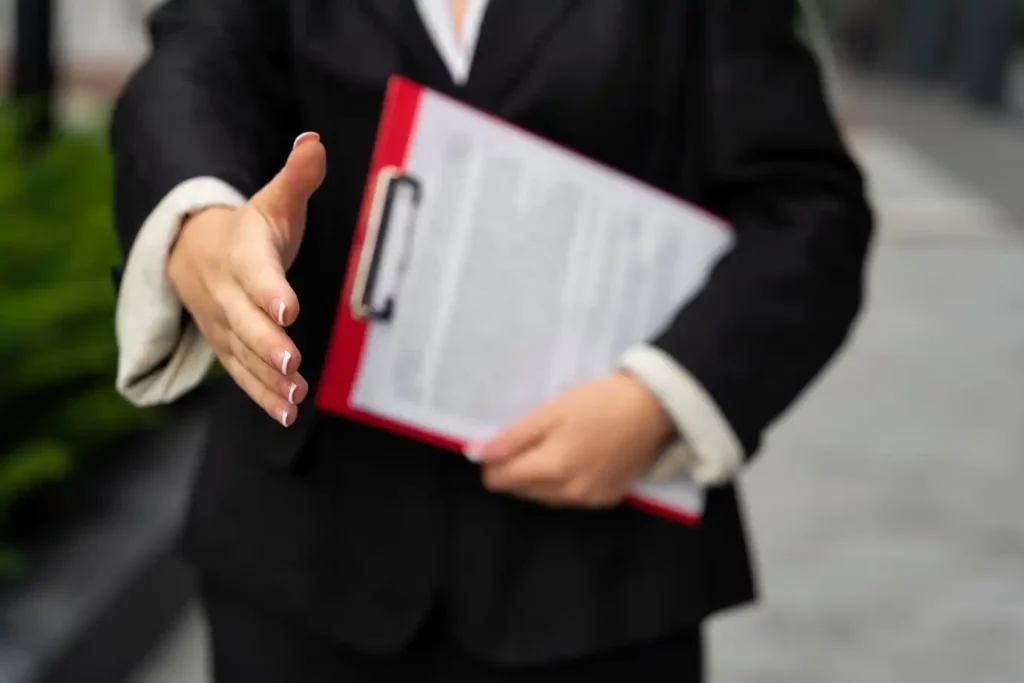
[213, 99]
[204, 121]
[777, 308]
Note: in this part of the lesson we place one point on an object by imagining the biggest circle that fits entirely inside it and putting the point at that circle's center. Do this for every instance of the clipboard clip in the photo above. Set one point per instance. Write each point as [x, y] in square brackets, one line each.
[389, 181]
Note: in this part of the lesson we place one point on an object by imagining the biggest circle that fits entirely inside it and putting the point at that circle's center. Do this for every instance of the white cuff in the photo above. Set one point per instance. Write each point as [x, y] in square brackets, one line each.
[157, 360]
[708, 450]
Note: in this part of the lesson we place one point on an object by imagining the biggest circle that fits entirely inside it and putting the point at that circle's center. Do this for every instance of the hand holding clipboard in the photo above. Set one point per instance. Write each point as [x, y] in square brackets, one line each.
[492, 270]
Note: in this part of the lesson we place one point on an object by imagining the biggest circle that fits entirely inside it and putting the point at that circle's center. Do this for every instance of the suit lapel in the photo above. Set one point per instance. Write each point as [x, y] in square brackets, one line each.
[402, 20]
[510, 37]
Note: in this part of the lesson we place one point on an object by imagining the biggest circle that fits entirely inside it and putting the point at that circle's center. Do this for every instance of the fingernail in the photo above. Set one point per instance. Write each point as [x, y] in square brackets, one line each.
[279, 307]
[291, 392]
[285, 357]
[473, 452]
[284, 418]
[304, 137]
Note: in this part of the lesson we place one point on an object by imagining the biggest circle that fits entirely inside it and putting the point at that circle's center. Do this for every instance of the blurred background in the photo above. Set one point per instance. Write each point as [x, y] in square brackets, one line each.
[885, 509]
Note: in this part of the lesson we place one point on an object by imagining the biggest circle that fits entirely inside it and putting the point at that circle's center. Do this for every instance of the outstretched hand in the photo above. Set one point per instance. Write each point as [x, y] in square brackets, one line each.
[228, 268]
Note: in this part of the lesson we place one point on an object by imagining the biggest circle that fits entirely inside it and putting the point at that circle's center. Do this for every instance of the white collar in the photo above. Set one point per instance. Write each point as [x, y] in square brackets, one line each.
[457, 53]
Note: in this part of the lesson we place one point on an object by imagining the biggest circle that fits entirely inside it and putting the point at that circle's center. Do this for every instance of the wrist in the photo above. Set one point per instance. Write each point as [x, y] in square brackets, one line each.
[656, 419]
[197, 229]
[201, 218]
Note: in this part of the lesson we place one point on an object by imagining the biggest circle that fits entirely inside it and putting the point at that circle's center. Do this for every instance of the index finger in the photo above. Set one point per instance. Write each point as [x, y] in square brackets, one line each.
[514, 440]
[260, 335]
[534, 474]
[264, 283]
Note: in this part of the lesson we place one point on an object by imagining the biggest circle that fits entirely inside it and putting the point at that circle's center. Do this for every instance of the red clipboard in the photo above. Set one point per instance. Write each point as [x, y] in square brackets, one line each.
[398, 119]
[351, 327]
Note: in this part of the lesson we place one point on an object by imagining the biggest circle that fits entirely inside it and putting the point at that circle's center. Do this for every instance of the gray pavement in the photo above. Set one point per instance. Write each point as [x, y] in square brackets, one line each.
[885, 509]
[982, 149]
[182, 657]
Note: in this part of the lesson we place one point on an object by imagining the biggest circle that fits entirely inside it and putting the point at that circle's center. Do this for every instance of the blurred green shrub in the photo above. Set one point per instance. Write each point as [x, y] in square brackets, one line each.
[57, 347]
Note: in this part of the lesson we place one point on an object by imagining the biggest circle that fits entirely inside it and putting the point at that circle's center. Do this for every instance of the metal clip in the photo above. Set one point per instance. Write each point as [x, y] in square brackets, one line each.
[389, 180]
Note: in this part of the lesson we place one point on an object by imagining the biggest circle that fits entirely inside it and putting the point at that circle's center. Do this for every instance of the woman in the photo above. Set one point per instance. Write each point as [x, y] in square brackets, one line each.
[327, 550]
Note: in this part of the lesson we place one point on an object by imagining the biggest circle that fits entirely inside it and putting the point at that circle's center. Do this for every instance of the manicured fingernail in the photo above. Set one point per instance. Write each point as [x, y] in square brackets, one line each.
[285, 357]
[291, 392]
[284, 418]
[305, 137]
[279, 310]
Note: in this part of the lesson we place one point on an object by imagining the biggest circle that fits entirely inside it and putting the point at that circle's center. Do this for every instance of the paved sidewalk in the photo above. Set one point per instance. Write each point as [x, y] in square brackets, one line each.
[886, 508]
[182, 657]
[983, 150]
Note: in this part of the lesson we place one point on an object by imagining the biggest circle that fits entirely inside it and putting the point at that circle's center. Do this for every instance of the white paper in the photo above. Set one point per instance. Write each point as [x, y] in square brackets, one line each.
[531, 270]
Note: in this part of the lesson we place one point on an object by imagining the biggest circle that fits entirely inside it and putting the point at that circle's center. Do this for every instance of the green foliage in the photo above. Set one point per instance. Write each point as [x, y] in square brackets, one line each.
[57, 348]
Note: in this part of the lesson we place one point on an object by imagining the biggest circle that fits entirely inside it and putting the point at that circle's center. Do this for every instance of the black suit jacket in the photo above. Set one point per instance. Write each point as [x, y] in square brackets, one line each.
[358, 534]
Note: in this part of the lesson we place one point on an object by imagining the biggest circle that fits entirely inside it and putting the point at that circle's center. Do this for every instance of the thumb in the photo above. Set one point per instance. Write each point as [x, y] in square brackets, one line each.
[284, 198]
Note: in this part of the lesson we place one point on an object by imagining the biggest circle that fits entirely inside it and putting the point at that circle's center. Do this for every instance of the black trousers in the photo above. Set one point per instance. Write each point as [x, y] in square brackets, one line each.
[250, 645]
